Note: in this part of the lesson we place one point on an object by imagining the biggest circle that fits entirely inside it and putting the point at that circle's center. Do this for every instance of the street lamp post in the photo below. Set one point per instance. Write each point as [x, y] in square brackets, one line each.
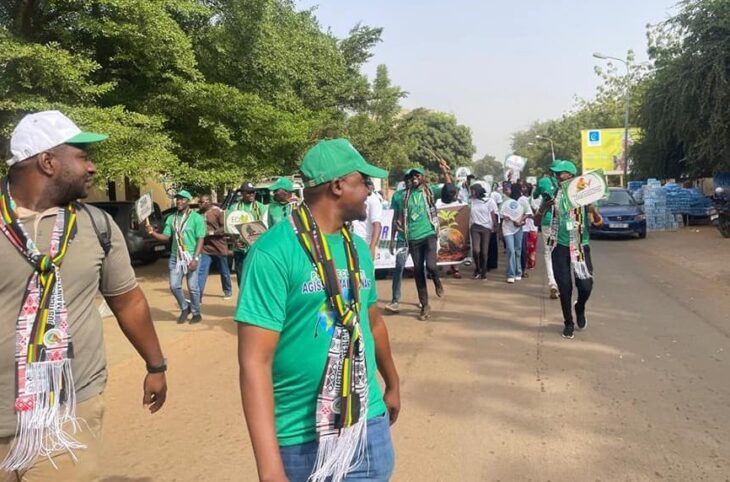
[552, 144]
[626, 108]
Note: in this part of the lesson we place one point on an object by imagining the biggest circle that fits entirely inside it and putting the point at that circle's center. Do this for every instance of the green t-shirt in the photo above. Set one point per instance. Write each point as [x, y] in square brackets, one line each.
[419, 224]
[248, 207]
[282, 292]
[193, 231]
[564, 235]
[278, 212]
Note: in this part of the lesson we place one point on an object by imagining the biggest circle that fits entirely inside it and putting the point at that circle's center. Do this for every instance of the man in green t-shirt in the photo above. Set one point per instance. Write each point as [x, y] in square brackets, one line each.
[398, 248]
[416, 216]
[571, 253]
[291, 335]
[281, 206]
[546, 189]
[259, 212]
[186, 228]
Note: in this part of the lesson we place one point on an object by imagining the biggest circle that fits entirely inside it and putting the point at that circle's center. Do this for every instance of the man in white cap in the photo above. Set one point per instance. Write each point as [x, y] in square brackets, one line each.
[52, 362]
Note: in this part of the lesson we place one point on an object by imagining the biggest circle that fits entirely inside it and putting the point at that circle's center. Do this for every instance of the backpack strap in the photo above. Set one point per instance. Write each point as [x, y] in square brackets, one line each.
[100, 223]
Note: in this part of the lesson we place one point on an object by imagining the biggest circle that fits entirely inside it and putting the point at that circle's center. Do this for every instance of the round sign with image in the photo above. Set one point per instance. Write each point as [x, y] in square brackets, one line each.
[511, 209]
[587, 189]
[234, 219]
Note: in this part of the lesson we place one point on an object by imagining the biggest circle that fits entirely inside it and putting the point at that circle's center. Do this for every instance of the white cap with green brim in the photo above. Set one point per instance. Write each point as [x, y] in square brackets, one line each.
[45, 130]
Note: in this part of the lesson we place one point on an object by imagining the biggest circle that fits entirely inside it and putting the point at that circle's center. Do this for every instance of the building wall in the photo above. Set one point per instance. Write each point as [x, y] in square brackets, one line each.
[159, 195]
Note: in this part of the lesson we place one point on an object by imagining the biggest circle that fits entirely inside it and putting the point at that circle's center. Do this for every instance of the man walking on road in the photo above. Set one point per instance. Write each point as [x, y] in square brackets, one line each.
[215, 247]
[547, 188]
[53, 367]
[371, 228]
[307, 313]
[417, 214]
[571, 253]
[187, 230]
[399, 248]
[280, 208]
[258, 212]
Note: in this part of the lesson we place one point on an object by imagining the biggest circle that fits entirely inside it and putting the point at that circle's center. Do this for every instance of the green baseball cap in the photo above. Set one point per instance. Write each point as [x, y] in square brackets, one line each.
[546, 184]
[417, 170]
[335, 158]
[282, 183]
[564, 166]
[185, 195]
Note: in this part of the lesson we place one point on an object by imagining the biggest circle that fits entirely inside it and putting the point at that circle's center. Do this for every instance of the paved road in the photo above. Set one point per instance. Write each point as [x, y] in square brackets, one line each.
[490, 390]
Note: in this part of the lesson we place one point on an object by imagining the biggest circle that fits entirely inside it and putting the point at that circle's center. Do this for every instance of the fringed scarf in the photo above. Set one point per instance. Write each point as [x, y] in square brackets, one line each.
[575, 224]
[45, 397]
[182, 257]
[430, 208]
[342, 403]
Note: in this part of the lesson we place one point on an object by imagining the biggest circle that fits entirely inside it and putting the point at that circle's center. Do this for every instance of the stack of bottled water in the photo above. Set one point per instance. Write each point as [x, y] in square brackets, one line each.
[655, 206]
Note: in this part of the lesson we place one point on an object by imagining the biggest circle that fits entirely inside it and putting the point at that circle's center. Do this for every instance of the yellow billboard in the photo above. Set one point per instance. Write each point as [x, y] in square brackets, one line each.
[604, 149]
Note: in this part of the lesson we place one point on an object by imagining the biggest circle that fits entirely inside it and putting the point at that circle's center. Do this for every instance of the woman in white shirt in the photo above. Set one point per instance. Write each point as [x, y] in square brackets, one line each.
[529, 232]
[482, 221]
[513, 218]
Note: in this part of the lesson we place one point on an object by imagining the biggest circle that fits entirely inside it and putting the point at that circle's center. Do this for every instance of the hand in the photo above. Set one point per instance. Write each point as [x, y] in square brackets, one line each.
[193, 265]
[150, 228]
[155, 391]
[391, 397]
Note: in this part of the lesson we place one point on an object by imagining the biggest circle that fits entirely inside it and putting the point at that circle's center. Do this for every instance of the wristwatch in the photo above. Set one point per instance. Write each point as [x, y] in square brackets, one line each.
[196, 258]
[159, 368]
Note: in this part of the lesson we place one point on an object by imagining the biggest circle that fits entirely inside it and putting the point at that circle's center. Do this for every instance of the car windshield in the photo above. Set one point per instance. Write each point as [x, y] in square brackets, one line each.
[618, 198]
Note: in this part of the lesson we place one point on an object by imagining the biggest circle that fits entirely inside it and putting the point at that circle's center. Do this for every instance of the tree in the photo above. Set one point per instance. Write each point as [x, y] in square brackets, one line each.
[488, 166]
[437, 134]
[685, 116]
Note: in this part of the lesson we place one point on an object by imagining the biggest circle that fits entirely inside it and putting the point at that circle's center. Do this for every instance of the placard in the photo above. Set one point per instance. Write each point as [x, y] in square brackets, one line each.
[234, 219]
[586, 189]
[512, 210]
[144, 207]
[251, 231]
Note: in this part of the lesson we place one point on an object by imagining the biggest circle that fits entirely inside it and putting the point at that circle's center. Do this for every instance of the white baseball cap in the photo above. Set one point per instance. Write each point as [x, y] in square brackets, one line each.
[44, 130]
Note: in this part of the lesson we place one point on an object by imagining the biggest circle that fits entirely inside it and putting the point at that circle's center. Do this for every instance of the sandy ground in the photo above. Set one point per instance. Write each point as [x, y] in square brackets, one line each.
[490, 390]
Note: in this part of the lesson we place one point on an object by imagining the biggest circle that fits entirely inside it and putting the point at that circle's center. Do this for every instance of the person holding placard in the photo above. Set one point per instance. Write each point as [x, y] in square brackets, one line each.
[186, 228]
[258, 212]
[513, 218]
[571, 253]
[546, 190]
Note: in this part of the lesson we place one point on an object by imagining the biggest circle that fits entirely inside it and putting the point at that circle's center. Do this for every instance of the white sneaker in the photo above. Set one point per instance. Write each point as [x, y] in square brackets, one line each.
[510, 280]
[519, 278]
[392, 308]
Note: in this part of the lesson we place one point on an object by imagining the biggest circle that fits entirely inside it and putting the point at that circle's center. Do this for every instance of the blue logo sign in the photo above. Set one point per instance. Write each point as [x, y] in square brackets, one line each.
[594, 138]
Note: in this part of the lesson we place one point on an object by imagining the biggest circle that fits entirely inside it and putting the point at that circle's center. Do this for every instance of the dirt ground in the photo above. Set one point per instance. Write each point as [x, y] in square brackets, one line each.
[490, 390]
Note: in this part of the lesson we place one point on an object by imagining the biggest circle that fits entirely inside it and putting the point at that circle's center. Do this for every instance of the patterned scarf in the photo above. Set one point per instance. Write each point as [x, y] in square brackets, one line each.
[430, 208]
[576, 228]
[183, 257]
[45, 397]
[342, 403]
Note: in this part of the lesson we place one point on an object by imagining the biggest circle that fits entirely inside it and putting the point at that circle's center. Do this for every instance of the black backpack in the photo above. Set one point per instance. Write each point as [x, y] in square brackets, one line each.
[100, 223]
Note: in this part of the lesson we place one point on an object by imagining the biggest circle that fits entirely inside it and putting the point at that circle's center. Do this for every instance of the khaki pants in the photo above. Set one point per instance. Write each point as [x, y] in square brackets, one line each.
[84, 469]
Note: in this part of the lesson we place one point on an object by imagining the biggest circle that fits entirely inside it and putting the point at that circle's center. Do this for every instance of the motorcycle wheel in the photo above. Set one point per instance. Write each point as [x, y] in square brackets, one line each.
[723, 225]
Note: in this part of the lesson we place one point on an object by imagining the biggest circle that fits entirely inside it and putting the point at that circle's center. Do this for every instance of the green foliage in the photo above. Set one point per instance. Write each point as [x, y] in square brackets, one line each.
[437, 134]
[488, 166]
[205, 92]
[685, 116]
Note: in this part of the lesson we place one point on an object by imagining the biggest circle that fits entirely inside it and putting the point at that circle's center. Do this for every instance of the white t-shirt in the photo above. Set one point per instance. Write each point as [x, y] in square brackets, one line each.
[508, 226]
[481, 212]
[527, 206]
[364, 229]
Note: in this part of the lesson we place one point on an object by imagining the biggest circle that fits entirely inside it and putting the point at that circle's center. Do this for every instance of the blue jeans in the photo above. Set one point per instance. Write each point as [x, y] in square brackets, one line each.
[206, 260]
[401, 256]
[176, 279]
[514, 253]
[376, 467]
[238, 258]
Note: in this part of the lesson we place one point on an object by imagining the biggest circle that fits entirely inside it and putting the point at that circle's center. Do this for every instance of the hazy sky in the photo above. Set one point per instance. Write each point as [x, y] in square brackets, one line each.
[496, 65]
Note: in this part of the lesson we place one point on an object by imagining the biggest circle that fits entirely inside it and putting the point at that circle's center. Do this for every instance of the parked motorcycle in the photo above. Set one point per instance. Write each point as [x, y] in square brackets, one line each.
[720, 212]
